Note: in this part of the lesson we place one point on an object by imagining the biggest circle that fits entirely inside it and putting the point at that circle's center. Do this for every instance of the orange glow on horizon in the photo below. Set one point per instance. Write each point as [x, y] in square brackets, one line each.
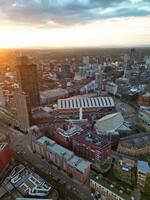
[123, 31]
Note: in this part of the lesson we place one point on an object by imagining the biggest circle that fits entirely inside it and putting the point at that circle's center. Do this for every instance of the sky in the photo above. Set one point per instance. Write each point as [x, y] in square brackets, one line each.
[74, 23]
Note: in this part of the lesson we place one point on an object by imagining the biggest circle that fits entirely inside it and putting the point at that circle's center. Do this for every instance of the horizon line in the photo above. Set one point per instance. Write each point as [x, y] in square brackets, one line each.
[75, 47]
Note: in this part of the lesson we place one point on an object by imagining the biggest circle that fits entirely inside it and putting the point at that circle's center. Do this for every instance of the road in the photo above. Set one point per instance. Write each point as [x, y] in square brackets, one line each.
[19, 144]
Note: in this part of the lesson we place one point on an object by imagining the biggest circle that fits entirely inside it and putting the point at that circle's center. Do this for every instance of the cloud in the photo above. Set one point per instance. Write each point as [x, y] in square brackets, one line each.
[69, 12]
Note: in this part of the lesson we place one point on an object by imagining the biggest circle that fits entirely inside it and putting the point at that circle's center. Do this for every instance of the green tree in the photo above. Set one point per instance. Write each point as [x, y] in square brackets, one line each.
[134, 176]
[147, 186]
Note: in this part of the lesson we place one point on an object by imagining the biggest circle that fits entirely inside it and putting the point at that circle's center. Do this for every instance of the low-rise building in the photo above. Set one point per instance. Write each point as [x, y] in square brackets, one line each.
[50, 96]
[109, 123]
[111, 88]
[90, 105]
[23, 182]
[144, 117]
[64, 137]
[144, 100]
[91, 146]
[107, 189]
[60, 156]
[143, 171]
[135, 145]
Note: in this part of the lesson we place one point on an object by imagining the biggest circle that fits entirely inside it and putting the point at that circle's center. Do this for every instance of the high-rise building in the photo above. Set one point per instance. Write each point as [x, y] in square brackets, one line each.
[28, 80]
[86, 60]
[2, 98]
[22, 108]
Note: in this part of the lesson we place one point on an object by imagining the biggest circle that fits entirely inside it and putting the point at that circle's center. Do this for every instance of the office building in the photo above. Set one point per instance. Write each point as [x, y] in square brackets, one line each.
[23, 110]
[64, 137]
[2, 98]
[91, 146]
[86, 60]
[28, 80]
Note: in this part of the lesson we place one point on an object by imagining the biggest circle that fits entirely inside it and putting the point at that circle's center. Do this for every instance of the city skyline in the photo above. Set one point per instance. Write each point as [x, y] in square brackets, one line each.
[84, 23]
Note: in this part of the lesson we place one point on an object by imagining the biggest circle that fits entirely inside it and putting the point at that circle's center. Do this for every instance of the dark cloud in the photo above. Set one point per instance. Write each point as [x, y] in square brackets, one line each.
[64, 12]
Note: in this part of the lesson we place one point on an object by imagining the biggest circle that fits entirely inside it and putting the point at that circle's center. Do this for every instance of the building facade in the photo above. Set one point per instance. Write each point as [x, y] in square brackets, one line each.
[22, 108]
[135, 145]
[144, 117]
[107, 190]
[4, 155]
[143, 171]
[28, 80]
[91, 146]
[60, 156]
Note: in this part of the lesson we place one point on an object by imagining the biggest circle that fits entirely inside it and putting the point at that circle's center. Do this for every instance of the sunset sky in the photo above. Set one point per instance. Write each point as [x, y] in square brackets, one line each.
[74, 23]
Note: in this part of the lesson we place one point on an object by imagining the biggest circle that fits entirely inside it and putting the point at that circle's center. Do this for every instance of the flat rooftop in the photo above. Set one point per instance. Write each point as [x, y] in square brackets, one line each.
[52, 146]
[92, 139]
[53, 93]
[70, 132]
[143, 166]
[136, 140]
[108, 185]
[78, 163]
[29, 183]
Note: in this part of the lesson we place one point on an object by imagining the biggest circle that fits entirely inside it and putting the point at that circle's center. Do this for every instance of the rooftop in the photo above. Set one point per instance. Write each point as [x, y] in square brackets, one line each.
[70, 132]
[67, 154]
[2, 145]
[143, 166]
[74, 161]
[85, 102]
[28, 182]
[92, 139]
[78, 163]
[53, 93]
[111, 187]
[136, 140]
[55, 148]
[110, 122]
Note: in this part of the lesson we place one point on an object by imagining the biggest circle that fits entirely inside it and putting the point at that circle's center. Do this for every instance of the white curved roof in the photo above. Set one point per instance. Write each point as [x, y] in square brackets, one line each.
[110, 122]
[85, 102]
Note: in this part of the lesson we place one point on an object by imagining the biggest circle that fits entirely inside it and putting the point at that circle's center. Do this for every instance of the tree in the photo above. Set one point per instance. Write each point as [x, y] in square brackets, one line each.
[147, 185]
[134, 176]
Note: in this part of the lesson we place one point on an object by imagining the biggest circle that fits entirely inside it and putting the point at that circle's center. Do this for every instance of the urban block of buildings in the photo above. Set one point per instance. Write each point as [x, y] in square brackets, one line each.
[60, 156]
